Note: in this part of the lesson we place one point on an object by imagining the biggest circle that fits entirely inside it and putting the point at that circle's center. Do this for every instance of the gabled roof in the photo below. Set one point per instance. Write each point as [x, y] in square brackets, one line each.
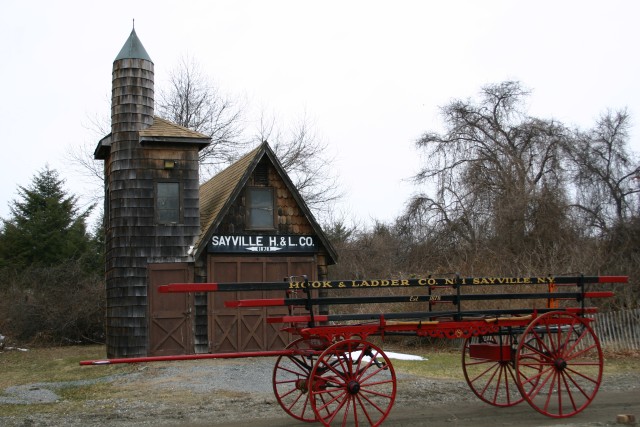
[219, 193]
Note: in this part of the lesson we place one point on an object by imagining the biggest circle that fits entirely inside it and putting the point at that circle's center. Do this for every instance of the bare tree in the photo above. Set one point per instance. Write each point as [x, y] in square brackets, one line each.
[80, 157]
[191, 100]
[306, 158]
[497, 172]
[605, 174]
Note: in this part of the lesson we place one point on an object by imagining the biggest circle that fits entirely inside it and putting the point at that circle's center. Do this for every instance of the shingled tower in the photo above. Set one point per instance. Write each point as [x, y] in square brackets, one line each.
[126, 213]
[151, 202]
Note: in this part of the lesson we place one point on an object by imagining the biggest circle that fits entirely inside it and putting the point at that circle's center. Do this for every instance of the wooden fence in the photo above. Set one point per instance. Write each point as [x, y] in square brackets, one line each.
[618, 330]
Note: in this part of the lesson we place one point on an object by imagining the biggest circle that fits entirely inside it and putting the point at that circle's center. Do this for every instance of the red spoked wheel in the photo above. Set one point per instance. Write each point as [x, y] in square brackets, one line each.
[291, 378]
[353, 382]
[489, 369]
[559, 364]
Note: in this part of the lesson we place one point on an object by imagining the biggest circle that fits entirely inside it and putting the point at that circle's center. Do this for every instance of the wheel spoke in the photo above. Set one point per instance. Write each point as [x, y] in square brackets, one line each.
[361, 380]
[377, 393]
[578, 386]
[550, 391]
[498, 382]
[568, 391]
[296, 400]
[348, 401]
[364, 408]
[481, 374]
[294, 372]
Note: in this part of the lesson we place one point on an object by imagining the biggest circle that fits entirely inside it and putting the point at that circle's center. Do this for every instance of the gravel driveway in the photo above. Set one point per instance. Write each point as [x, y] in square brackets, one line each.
[215, 392]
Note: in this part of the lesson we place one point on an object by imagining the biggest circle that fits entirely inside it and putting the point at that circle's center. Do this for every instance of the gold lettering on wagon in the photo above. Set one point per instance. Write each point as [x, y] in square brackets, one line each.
[383, 283]
[511, 280]
[312, 285]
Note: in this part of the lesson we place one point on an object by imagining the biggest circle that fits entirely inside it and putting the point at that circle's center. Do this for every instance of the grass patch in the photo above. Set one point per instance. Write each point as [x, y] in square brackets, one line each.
[442, 364]
[620, 363]
[54, 364]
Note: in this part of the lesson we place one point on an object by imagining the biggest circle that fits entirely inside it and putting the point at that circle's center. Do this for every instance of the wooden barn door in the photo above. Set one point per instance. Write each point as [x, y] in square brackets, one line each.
[245, 329]
[170, 329]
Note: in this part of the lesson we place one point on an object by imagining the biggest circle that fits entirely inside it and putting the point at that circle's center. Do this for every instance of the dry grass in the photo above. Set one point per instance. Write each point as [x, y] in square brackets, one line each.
[53, 364]
[440, 364]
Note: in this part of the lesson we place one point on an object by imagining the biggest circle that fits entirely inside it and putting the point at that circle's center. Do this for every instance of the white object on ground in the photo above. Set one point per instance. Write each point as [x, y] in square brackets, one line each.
[392, 355]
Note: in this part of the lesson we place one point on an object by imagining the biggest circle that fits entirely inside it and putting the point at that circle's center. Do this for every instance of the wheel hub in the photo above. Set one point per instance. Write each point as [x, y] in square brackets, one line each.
[353, 387]
[560, 364]
[302, 385]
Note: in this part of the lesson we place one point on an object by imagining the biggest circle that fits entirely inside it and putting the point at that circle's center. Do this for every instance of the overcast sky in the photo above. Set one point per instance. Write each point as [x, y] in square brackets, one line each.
[370, 75]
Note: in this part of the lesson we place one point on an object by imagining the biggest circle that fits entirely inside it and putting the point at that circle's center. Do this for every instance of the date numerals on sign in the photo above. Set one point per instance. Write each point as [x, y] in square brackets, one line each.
[414, 298]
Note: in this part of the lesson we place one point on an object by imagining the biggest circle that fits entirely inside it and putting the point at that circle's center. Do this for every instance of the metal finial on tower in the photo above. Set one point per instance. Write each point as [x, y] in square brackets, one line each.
[134, 23]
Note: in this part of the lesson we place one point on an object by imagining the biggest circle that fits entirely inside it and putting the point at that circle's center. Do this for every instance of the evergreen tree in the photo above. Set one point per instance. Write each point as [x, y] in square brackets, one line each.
[46, 227]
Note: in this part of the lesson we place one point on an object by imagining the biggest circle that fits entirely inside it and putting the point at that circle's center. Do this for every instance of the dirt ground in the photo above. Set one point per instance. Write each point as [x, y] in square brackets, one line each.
[234, 393]
[423, 402]
[602, 412]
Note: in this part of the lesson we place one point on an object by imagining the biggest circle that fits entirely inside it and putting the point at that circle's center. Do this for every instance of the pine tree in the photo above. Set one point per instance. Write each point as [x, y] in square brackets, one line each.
[46, 227]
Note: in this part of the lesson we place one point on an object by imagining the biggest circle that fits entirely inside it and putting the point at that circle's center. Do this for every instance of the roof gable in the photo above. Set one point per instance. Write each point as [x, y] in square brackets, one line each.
[219, 193]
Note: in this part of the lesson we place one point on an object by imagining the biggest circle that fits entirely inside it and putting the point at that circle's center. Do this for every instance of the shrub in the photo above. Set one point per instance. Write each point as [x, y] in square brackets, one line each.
[52, 305]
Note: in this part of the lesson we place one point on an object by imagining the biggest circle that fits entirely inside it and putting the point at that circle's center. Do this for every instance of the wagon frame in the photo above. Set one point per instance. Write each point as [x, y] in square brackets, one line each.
[332, 373]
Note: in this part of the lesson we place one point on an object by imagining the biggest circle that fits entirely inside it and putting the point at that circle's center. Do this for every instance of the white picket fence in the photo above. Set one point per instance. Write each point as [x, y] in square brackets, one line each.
[618, 330]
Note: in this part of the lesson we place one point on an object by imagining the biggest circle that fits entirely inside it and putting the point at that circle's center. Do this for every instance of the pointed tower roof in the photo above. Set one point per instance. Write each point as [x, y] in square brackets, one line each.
[133, 48]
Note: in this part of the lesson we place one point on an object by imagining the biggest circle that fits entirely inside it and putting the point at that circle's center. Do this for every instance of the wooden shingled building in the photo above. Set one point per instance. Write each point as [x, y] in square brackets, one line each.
[246, 224]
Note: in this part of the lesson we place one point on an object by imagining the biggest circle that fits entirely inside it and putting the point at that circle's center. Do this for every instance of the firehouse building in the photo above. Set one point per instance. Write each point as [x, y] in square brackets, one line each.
[246, 224]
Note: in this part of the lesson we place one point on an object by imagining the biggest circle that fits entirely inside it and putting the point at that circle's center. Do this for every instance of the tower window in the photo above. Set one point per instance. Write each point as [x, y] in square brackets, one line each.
[260, 212]
[168, 202]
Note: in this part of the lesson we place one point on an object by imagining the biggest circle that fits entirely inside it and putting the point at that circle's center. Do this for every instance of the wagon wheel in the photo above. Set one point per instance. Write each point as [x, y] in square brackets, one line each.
[291, 377]
[559, 364]
[352, 382]
[491, 378]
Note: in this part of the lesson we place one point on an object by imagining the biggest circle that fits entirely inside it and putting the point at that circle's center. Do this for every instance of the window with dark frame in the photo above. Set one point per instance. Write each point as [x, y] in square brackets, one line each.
[168, 202]
[260, 212]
